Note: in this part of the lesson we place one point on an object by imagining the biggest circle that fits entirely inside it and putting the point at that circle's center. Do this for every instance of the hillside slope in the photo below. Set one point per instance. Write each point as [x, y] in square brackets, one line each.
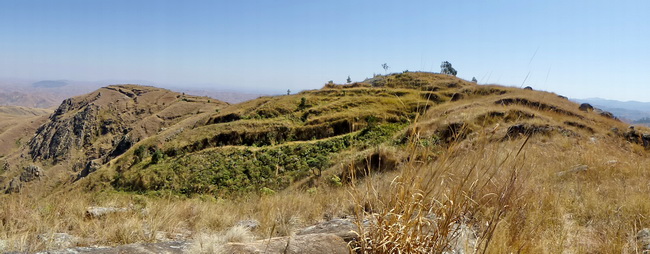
[17, 124]
[412, 156]
[275, 142]
[86, 131]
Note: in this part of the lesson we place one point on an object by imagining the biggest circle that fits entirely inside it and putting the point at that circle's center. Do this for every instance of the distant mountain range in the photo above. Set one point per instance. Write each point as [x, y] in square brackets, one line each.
[629, 111]
[50, 83]
[50, 93]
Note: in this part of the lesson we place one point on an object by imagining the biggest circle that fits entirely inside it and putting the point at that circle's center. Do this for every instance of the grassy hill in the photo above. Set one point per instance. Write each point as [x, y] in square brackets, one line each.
[16, 126]
[425, 156]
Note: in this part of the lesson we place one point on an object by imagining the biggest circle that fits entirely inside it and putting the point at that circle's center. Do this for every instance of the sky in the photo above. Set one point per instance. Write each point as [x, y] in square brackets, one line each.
[578, 49]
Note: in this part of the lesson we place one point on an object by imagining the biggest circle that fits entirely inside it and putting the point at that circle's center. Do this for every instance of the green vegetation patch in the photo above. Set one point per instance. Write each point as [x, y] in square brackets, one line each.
[229, 170]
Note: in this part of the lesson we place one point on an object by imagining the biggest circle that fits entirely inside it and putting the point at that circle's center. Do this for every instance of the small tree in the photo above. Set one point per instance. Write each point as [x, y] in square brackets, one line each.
[157, 157]
[474, 80]
[385, 66]
[303, 103]
[349, 80]
[288, 91]
[445, 68]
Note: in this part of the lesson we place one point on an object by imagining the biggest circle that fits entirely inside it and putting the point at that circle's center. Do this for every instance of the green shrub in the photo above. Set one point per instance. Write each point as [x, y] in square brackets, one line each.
[157, 157]
[267, 191]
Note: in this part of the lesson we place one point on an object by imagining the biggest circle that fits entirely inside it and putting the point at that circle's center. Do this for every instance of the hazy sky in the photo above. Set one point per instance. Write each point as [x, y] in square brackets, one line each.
[575, 48]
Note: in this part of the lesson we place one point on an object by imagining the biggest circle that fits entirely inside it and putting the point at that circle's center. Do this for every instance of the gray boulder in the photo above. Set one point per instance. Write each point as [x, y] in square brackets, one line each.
[343, 228]
[58, 240]
[643, 239]
[175, 247]
[586, 107]
[90, 167]
[98, 212]
[31, 173]
[312, 243]
[248, 224]
[5, 166]
[14, 186]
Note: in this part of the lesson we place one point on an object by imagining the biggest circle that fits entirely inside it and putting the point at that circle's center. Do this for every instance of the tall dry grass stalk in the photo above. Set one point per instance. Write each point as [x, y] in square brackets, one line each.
[454, 203]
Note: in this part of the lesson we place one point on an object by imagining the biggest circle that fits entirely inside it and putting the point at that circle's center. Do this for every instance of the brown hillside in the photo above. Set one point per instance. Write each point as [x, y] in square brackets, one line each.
[107, 122]
[428, 163]
[17, 125]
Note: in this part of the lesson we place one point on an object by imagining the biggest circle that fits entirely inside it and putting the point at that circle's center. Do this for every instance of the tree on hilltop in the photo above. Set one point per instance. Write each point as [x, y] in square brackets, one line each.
[385, 66]
[445, 68]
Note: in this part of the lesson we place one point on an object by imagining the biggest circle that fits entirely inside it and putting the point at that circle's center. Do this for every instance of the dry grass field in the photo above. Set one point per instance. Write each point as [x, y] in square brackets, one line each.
[504, 170]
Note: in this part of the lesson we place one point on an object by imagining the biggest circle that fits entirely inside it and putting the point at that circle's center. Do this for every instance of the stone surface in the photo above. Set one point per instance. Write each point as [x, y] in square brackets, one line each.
[643, 239]
[90, 167]
[312, 243]
[98, 212]
[58, 240]
[343, 228]
[604, 113]
[14, 186]
[586, 107]
[466, 240]
[518, 130]
[56, 139]
[3, 245]
[175, 247]
[248, 224]
[31, 173]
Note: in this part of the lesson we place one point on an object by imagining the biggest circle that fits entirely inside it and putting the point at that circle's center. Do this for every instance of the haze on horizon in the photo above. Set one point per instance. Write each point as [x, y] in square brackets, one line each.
[579, 49]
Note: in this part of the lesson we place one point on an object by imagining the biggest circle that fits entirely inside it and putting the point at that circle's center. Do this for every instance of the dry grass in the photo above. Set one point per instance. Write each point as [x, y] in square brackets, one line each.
[25, 216]
[511, 203]
[212, 243]
[484, 193]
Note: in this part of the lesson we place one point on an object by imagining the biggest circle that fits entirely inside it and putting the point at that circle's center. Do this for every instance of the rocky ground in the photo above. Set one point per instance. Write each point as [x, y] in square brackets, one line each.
[333, 236]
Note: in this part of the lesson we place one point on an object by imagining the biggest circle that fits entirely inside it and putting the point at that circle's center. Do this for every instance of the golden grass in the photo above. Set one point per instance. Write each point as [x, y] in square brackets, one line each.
[511, 198]
[472, 183]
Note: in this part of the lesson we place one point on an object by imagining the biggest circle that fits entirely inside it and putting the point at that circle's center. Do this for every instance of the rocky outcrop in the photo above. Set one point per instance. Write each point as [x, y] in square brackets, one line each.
[312, 243]
[586, 107]
[175, 247]
[31, 173]
[98, 212]
[643, 240]
[248, 224]
[104, 124]
[343, 228]
[90, 167]
[605, 113]
[14, 186]
[519, 130]
[71, 127]
[58, 240]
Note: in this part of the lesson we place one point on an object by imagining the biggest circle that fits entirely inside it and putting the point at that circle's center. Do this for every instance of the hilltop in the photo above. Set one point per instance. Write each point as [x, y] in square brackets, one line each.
[519, 169]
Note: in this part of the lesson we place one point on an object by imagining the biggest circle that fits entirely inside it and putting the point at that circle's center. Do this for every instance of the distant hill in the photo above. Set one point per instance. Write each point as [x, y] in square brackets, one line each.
[227, 96]
[17, 124]
[41, 94]
[50, 93]
[629, 111]
[50, 83]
